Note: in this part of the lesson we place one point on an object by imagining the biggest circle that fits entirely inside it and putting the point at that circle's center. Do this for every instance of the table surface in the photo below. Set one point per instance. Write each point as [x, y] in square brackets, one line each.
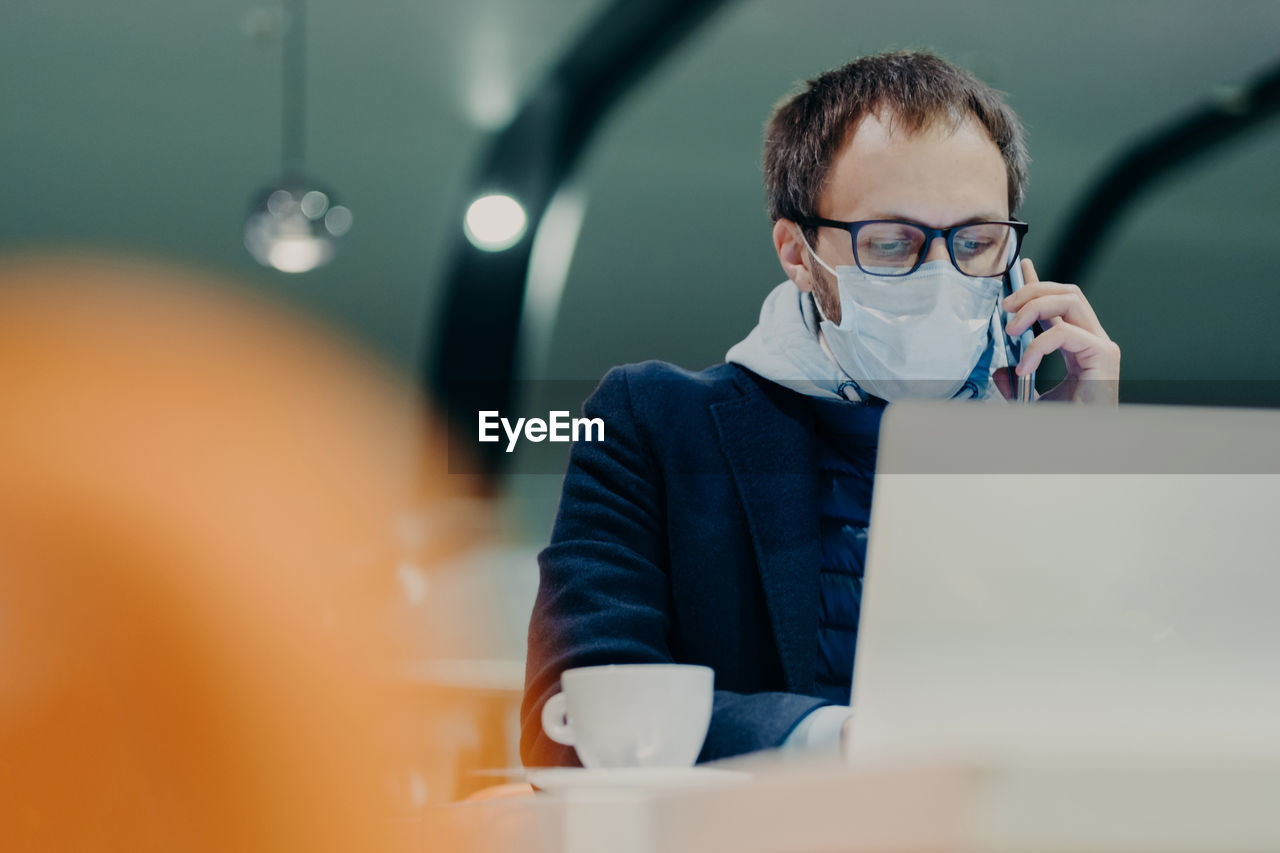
[1153, 806]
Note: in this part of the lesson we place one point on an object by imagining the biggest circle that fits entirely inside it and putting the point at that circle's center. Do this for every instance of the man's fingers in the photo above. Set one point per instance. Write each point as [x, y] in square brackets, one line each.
[1029, 275]
[1091, 351]
[1050, 341]
[1075, 330]
[1075, 310]
[1066, 302]
[1042, 309]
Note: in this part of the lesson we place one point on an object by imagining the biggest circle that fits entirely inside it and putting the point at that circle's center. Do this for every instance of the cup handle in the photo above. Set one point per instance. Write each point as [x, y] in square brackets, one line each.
[555, 720]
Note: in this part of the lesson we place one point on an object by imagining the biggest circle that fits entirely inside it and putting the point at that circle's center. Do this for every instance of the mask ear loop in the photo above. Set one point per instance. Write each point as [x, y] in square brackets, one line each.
[820, 261]
[848, 383]
[817, 303]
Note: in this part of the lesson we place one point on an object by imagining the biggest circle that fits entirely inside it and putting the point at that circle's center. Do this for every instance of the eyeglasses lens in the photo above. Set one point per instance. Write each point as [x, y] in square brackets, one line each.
[892, 248]
[984, 249]
[888, 248]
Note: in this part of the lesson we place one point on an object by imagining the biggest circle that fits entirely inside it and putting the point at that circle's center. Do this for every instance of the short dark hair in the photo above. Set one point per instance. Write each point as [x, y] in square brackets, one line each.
[809, 128]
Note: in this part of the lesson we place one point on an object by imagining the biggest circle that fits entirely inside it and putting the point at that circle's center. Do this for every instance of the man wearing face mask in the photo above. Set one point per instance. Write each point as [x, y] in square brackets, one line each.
[724, 521]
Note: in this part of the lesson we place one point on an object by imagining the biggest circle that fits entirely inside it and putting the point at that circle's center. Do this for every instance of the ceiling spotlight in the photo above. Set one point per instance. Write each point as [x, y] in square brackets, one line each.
[495, 222]
[294, 225]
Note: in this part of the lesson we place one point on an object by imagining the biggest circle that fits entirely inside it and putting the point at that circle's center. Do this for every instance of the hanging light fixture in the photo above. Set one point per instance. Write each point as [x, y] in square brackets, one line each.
[295, 223]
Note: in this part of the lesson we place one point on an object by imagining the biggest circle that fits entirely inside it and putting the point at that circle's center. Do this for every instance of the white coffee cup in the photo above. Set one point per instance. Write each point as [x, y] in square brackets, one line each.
[632, 715]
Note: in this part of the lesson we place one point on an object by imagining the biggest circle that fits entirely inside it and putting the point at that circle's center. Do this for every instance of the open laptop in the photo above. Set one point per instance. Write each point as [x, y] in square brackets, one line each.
[1057, 580]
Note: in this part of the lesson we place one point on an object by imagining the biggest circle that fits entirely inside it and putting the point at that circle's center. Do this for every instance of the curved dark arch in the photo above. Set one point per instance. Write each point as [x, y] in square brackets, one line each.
[1153, 158]
[472, 366]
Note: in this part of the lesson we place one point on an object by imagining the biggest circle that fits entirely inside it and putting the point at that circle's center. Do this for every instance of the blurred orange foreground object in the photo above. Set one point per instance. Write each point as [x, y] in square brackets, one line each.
[502, 792]
[197, 503]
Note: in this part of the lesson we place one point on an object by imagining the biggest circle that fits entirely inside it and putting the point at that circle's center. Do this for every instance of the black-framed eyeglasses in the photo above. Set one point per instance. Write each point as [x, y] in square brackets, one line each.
[891, 247]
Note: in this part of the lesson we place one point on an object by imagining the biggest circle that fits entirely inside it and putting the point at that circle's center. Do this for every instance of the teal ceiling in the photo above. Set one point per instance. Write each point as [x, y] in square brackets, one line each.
[146, 126]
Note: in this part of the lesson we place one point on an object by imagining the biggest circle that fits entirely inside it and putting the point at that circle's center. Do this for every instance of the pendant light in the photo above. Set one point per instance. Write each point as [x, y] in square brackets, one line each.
[295, 223]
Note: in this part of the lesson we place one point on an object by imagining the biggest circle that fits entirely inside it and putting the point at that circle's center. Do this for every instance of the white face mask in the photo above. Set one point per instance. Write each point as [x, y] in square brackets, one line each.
[914, 336]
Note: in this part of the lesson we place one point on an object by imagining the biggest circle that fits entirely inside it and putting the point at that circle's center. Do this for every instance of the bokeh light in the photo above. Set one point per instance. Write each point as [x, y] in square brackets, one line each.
[495, 222]
[294, 228]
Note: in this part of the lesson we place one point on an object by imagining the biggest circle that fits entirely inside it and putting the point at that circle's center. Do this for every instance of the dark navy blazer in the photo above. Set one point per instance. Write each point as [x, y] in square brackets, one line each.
[689, 534]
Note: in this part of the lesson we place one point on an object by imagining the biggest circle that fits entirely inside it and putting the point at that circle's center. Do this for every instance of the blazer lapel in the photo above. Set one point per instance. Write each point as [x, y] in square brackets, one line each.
[771, 452]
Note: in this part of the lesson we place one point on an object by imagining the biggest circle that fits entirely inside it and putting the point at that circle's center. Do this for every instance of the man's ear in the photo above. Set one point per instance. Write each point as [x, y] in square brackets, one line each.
[792, 253]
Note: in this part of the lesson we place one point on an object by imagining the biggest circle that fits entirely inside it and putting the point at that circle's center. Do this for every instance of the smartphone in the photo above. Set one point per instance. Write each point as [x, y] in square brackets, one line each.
[1015, 347]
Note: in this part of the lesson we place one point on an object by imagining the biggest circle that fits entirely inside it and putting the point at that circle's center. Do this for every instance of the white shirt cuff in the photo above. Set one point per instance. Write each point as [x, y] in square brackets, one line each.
[819, 729]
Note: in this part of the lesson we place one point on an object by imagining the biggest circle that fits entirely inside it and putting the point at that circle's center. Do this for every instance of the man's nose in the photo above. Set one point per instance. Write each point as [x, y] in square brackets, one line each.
[937, 250]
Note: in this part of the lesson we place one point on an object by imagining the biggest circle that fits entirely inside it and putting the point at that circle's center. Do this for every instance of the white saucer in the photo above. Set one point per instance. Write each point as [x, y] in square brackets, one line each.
[637, 778]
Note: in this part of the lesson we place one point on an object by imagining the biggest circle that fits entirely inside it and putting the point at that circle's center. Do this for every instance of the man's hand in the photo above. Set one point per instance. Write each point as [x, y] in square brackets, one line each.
[1093, 359]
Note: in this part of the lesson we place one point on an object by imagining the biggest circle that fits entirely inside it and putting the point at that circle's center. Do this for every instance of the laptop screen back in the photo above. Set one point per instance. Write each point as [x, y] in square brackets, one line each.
[1058, 580]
